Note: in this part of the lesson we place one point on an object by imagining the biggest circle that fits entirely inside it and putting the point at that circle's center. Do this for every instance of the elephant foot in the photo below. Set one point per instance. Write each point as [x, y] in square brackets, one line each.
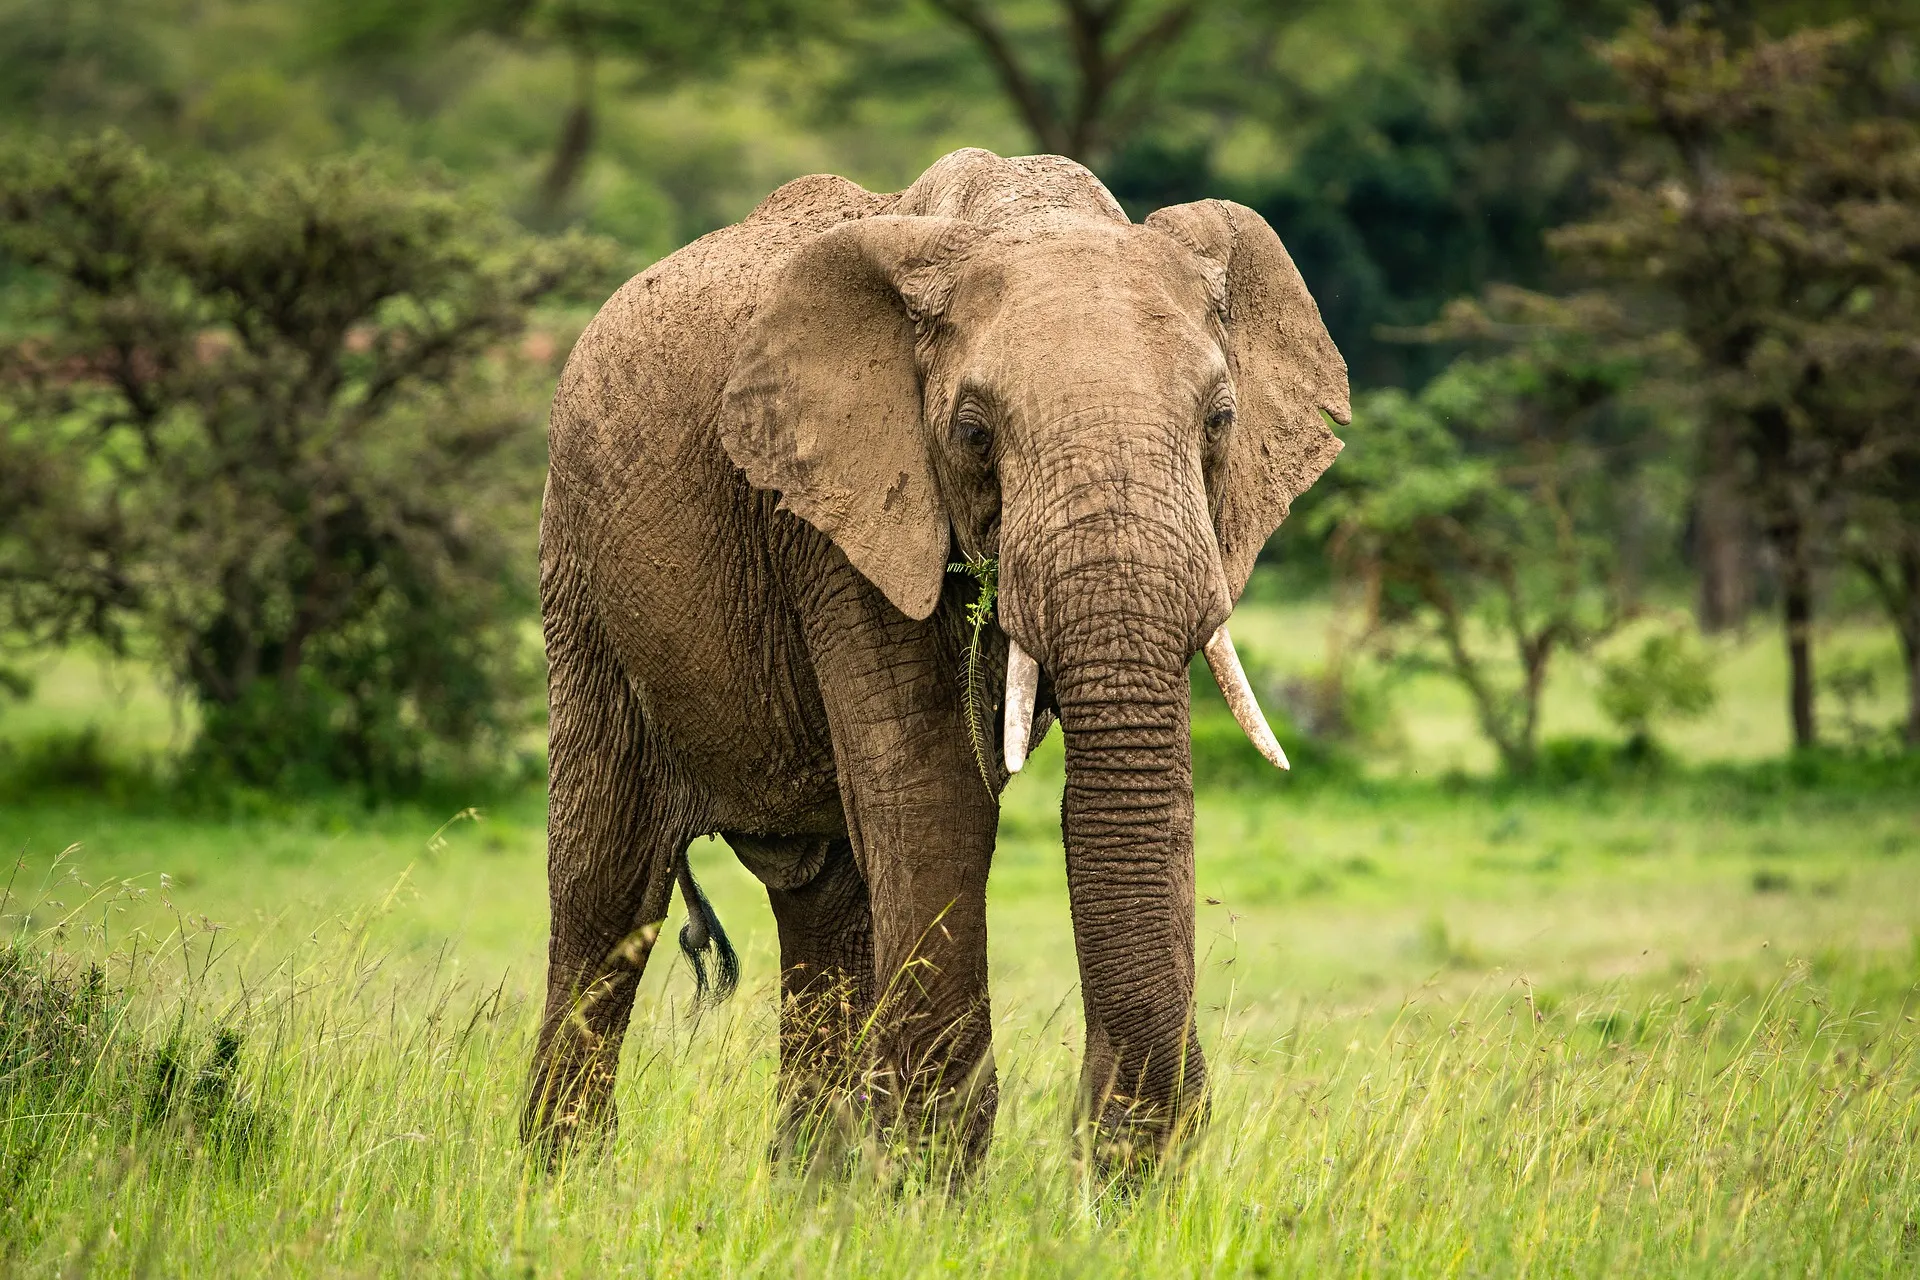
[569, 1108]
[1133, 1140]
[936, 1135]
[924, 1140]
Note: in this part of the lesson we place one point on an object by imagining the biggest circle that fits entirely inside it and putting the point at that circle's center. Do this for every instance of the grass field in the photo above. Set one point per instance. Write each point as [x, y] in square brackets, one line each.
[1456, 1030]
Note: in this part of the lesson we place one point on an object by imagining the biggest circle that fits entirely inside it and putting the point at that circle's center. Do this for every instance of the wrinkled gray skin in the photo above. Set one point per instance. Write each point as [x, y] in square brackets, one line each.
[765, 451]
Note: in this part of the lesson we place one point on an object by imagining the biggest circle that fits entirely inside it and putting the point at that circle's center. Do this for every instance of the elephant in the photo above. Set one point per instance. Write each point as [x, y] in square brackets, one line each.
[768, 453]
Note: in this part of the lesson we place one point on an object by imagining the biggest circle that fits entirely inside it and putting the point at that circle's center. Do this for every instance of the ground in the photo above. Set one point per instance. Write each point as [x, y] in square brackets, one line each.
[1456, 1028]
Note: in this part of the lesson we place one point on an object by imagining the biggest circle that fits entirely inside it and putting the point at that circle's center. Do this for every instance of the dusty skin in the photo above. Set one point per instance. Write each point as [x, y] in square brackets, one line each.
[766, 450]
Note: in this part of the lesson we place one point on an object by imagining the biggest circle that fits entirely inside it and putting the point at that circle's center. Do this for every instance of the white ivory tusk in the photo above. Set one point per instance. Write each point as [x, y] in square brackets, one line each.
[1023, 684]
[1232, 679]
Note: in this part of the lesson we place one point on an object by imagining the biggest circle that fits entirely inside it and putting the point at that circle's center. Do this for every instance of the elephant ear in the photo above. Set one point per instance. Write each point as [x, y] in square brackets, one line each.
[1285, 368]
[823, 401]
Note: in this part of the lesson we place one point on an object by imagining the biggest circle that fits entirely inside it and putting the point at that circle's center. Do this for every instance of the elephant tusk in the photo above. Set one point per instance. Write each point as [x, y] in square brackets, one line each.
[1023, 685]
[1232, 679]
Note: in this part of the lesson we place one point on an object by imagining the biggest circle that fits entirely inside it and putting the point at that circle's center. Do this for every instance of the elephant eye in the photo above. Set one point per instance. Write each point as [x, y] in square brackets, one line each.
[1219, 422]
[971, 430]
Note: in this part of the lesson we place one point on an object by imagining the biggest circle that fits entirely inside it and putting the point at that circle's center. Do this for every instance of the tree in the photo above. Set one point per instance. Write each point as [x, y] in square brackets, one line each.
[61, 63]
[657, 40]
[1877, 385]
[1771, 235]
[1078, 104]
[1439, 171]
[1491, 515]
[273, 428]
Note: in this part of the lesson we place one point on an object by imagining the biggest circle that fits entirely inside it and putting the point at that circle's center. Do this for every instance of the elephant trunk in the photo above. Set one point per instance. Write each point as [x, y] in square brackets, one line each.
[1127, 815]
[1113, 610]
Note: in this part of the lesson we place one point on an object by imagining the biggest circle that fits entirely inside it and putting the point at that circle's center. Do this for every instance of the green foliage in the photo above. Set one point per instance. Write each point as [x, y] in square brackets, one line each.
[82, 63]
[1081, 76]
[653, 39]
[73, 762]
[204, 1097]
[1668, 676]
[985, 572]
[1761, 226]
[1825, 769]
[274, 429]
[1485, 519]
[1437, 169]
[73, 1060]
[1601, 763]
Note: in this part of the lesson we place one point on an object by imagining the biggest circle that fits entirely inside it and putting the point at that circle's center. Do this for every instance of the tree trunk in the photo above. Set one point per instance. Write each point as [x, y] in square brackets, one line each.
[1721, 545]
[1796, 598]
[575, 142]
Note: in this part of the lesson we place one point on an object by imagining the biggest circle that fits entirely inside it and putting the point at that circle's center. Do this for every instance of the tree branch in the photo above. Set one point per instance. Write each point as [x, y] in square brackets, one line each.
[1029, 97]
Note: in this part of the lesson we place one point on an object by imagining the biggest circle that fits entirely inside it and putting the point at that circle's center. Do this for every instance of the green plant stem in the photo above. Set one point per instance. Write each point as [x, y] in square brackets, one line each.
[985, 571]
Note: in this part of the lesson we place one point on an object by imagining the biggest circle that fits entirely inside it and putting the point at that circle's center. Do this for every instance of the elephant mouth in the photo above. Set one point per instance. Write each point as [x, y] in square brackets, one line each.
[1023, 687]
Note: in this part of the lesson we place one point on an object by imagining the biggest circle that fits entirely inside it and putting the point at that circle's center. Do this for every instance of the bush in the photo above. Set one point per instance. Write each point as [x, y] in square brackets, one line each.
[72, 1060]
[275, 428]
[1667, 677]
[76, 761]
[1578, 760]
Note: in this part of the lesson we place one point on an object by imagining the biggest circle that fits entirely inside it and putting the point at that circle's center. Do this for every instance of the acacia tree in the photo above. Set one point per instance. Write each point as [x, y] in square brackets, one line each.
[1774, 238]
[1491, 516]
[274, 430]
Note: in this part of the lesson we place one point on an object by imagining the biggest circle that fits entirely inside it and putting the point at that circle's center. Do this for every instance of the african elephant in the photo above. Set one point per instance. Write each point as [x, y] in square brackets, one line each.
[767, 450]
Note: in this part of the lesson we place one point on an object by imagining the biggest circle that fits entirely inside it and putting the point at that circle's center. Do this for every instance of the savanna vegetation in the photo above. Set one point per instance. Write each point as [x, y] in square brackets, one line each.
[1665, 1025]
[1584, 938]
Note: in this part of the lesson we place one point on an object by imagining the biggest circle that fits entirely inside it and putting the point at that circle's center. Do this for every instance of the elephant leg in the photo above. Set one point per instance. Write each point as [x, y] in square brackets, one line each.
[613, 834]
[921, 825]
[606, 919]
[826, 980]
[930, 1064]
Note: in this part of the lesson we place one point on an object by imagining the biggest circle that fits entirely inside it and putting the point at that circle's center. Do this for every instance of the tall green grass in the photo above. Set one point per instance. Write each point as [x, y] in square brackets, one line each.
[182, 1100]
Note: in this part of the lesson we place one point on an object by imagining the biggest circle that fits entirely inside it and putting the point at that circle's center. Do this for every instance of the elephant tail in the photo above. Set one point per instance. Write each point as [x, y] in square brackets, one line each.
[702, 933]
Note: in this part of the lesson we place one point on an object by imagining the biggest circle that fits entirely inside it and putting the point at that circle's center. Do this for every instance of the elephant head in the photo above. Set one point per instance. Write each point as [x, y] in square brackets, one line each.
[1120, 413]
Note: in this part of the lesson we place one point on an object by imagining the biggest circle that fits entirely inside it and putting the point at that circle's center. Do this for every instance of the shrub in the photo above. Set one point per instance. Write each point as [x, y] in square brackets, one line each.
[74, 761]
[1667, 677]
[1577, 760]
[71, 1060]
[276, 429]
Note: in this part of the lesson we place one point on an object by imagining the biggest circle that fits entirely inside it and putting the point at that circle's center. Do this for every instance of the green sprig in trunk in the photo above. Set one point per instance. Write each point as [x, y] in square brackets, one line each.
[985, 571]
